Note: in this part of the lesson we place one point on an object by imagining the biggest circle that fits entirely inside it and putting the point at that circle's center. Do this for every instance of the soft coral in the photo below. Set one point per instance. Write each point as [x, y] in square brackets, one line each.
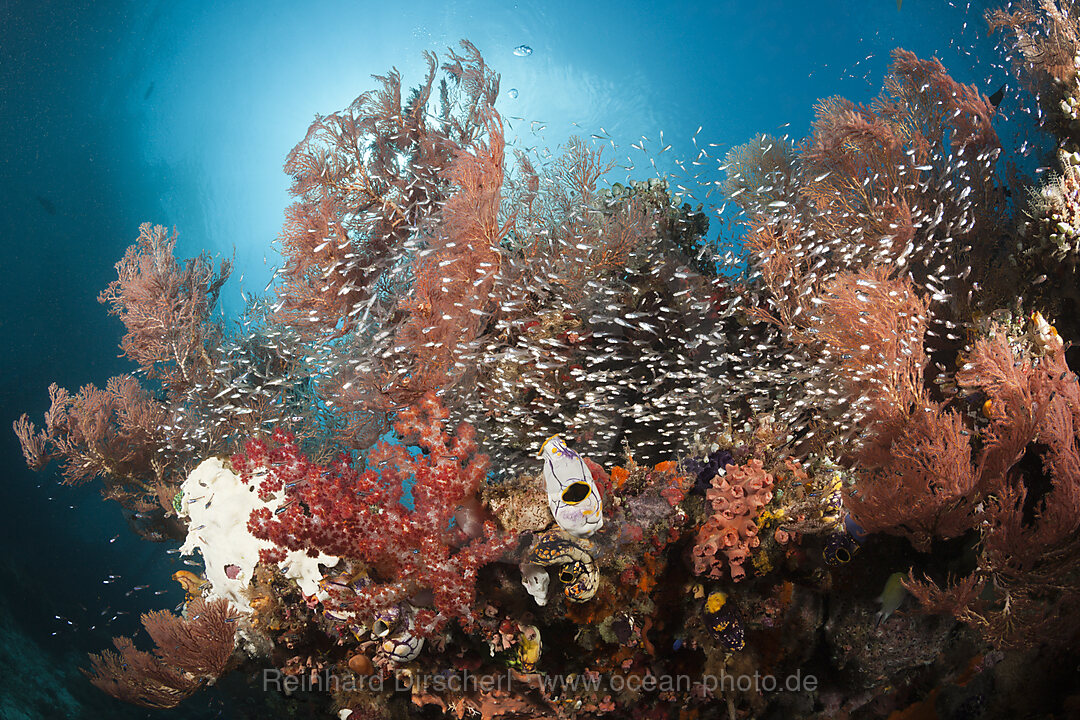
[359, 515]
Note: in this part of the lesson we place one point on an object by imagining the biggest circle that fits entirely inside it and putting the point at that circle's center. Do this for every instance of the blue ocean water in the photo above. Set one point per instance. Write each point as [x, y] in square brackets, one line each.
[113, 114]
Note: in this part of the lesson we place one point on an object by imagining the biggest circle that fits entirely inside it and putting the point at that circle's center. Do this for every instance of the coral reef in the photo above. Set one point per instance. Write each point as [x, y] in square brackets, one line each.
[515, 441]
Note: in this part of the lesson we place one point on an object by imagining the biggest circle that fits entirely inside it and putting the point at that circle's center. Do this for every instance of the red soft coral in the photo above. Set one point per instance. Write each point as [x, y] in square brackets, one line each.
[360, 515]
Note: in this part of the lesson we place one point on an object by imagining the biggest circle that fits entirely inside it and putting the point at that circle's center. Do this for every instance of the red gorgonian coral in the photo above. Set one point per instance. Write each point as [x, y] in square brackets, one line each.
[190, 651]
[916, 476]
[1025, 589]
[137, 437]
[166, 308]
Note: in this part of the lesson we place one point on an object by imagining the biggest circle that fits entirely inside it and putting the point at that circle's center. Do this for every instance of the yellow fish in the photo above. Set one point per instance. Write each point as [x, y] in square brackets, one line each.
[192, 583]
[891, 597]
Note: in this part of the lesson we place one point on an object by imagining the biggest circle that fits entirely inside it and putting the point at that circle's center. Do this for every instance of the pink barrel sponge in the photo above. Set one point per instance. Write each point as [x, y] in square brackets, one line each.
[730, 532]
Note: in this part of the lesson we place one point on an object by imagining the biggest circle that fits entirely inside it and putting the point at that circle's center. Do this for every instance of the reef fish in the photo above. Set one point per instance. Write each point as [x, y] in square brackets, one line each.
[998, 96]
[193, 584]
[891, 597]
